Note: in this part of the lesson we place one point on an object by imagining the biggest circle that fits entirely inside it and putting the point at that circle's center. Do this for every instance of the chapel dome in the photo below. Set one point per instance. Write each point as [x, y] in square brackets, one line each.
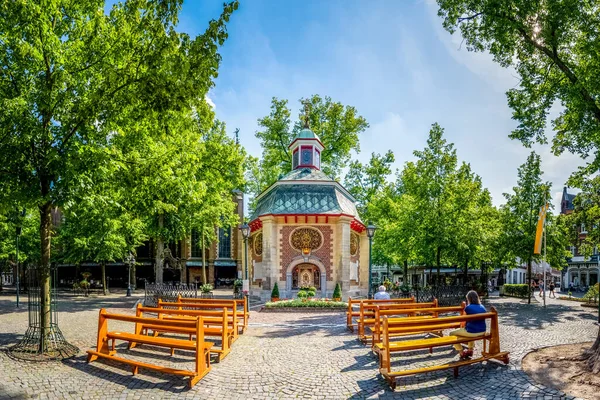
[306, 133]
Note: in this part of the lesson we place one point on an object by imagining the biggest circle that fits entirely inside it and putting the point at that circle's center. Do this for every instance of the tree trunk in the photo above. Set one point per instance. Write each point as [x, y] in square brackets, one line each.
[203, 260]
[44, 275]
[592, 356]
[160, 249]
[406, 272]
[466, 271]
[104, 288]
[529, 280]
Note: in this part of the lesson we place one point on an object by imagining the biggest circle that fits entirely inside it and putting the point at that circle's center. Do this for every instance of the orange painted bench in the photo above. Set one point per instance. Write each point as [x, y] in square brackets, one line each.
[366, 316]
[216, 324]
[243, 314]
[429, 316]
[198, 346]
[234, 318]
[351, 313]
[386, 347]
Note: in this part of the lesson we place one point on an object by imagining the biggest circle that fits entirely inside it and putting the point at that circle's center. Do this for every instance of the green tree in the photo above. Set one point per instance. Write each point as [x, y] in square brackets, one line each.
[29, 243]
[396, 216]
[553, 47]
[428, 181]
[72, 75]
[364, 181]
[337, 126]
[521, 211]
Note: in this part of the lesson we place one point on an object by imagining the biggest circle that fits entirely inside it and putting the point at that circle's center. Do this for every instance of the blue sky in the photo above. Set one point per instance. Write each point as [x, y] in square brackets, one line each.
[392, 60]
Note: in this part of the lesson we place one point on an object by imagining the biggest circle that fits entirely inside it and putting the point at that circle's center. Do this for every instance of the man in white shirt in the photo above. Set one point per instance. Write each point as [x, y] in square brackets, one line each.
[382, 294]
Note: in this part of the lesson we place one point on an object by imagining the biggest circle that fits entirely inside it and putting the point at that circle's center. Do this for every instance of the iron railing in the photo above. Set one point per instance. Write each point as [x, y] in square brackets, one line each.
[154, 291]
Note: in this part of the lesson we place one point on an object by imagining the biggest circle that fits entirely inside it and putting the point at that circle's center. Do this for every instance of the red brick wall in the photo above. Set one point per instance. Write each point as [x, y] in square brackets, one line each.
[288, 253]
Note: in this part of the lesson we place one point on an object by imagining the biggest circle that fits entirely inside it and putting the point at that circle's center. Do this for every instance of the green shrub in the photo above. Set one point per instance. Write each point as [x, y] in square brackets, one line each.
[312, 289]
[311, 294]
[302, 294]
[592, 293]
[516, 290]
[337, 292]
[275, 291]
[206, 288]
[311, 303]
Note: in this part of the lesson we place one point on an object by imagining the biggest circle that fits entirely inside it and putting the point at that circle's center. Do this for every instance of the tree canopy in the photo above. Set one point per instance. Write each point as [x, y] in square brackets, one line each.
[337, 126]
[74, 79]
[554, 47]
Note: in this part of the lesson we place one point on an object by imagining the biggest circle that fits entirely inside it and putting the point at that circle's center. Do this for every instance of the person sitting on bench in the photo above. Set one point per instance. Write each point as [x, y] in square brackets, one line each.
[382, 294]
[472, 328]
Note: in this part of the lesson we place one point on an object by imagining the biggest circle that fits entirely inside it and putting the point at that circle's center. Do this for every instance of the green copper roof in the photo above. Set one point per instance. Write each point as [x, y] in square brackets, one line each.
[298, 193]
[306, 174]
[307, 134]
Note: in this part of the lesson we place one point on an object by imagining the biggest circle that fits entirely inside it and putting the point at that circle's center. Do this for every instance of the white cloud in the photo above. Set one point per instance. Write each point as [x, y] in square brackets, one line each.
[210, 102]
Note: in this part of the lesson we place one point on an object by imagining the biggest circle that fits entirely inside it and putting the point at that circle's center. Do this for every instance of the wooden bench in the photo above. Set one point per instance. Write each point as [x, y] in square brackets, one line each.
[216, 324]
[428, 315]
[243, 314]
[366, 316]
[351, 313]
[230, 305]
[199, 346]
[491, 351]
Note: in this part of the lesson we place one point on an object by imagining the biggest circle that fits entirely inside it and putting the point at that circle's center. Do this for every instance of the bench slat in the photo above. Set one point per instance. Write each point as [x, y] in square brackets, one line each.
[154, 340]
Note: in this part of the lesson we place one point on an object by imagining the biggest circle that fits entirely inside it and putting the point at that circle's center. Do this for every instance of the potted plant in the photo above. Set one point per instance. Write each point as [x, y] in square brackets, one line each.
[85, 284]
[337, 293]
[275, 292]
[237, 288]
[206, 291]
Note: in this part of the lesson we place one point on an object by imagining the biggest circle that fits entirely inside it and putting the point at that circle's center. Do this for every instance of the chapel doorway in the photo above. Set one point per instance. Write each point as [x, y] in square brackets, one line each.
[306, 275]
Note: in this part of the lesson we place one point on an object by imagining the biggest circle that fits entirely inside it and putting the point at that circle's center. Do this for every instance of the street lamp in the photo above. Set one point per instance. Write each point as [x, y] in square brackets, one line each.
[370, 232]
[245, 229]
[130, 262]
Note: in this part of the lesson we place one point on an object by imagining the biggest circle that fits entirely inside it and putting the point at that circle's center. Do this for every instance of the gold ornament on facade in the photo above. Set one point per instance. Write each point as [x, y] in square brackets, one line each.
[306, 239]
[258, 244]
[353, 244]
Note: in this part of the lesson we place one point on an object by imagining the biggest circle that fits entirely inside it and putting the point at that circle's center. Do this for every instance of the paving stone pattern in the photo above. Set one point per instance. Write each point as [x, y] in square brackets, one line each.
[285, 356]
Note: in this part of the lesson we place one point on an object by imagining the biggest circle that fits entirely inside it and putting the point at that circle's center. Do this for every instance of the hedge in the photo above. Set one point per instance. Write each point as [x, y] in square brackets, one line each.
[516, 290]
[296, 303]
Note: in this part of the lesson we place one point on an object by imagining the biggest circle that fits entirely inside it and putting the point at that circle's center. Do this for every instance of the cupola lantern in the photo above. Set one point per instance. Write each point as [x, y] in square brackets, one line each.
[306, 147]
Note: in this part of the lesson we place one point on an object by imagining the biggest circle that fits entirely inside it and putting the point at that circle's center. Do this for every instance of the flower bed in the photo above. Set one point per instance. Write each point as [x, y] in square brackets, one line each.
[316, 304]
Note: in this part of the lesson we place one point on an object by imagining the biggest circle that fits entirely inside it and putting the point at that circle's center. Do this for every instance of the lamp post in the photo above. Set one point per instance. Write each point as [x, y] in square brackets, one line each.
[18, 282]
[370, 232]
[245, 229]
[18, 231]
[130, 262]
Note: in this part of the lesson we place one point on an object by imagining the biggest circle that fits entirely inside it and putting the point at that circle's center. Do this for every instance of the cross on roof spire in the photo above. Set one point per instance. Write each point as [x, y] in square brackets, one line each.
[306, 111]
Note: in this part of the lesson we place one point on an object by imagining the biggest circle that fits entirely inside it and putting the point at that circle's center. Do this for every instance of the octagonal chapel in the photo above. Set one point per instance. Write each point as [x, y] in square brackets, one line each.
[306, 231]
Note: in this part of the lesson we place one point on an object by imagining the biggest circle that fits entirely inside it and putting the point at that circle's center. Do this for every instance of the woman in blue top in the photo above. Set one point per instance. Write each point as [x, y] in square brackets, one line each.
[474, 327]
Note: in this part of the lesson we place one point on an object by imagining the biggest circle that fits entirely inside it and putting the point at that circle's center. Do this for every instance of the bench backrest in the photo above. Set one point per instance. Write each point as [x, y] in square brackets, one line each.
[239, 302]
[352, 303]
[222, 315]
[492, 315]
[104, 317]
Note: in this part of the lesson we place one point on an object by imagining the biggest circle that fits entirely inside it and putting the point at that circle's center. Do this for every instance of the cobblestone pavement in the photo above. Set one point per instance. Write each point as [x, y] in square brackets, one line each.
[286, 356]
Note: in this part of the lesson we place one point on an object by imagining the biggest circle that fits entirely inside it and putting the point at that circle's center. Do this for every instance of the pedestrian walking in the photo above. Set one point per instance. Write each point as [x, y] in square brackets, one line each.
[551, 287]
[541, 289]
